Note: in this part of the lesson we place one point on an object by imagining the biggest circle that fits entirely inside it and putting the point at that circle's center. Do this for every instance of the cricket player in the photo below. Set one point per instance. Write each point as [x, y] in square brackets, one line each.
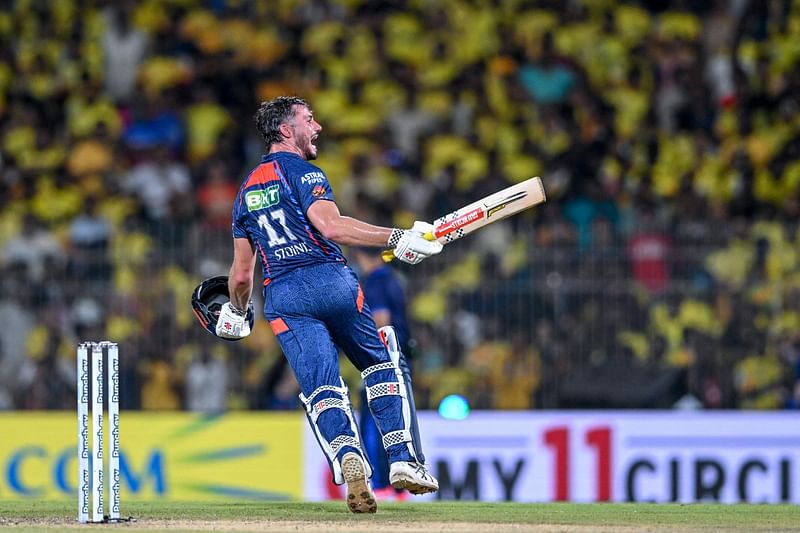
[286, 215]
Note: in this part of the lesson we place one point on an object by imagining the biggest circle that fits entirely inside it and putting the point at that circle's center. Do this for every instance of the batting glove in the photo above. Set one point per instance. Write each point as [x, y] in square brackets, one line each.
[232, 323]
[410, 246]
[422, 227]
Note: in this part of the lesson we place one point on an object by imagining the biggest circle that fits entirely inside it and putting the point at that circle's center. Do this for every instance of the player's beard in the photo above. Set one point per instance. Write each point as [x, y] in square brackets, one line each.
[309, 149]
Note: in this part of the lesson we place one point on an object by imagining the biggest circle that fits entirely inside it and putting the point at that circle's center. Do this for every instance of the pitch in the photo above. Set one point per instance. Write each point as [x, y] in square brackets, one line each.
[34, 516]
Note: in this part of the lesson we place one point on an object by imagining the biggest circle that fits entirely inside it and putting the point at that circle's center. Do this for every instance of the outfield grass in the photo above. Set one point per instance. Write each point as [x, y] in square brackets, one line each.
[429, 517]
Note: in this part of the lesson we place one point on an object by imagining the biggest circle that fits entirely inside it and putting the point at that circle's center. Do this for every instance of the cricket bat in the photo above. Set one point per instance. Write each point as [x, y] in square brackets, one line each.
[485, 211]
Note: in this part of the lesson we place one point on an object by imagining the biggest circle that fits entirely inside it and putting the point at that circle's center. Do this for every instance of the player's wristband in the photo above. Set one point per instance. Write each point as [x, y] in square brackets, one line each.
[395, 237]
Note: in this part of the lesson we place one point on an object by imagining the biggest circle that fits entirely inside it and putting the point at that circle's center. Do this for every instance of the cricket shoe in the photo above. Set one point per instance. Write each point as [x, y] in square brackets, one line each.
[413, 477]
[360, 498]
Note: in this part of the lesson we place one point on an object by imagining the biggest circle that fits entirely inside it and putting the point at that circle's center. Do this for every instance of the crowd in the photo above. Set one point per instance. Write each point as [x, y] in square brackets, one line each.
[667, 134]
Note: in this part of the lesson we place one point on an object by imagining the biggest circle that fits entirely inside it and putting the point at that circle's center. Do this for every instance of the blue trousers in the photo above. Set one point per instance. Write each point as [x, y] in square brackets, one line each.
[315, 312]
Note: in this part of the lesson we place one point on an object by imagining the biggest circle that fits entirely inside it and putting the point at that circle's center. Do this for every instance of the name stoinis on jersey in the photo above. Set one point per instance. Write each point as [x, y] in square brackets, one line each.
[262, 198]
[291, 251]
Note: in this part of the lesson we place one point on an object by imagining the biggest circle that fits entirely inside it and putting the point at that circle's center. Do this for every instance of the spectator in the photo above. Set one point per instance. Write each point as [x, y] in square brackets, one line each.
[153, 124]
[92, 154]
[649, 250]
[547, 79]
[88, 108]
[124, 48]
[215, 197]
[31, 249]
[160, 384]
[206, 121]
[206, 381]
[90, 230]
[156, 180]
[20, 322]
[410, 122]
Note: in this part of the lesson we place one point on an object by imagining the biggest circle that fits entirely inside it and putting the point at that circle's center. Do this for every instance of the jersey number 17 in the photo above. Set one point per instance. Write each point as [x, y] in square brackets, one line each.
[280, 217]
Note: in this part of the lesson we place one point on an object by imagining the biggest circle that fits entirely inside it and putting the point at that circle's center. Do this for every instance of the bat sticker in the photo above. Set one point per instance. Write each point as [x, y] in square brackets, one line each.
[459, 222]
[492, 209]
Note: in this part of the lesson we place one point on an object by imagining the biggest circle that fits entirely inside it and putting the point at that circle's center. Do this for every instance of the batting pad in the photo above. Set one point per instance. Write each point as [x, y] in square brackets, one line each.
[388, 402]
[331, 417]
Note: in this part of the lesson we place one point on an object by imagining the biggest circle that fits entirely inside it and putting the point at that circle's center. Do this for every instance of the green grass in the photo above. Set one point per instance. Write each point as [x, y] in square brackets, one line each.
[433, 517]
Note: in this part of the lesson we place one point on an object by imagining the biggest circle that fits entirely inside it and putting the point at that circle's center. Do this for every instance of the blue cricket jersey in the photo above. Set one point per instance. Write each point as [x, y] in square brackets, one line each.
[270, 211]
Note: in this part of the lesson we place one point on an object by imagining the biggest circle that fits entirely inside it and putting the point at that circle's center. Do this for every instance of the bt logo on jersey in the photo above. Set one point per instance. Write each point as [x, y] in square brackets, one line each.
[262, 198]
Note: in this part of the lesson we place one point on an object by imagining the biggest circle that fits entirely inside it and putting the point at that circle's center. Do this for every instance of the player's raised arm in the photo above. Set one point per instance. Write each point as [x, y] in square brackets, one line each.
[409, 245]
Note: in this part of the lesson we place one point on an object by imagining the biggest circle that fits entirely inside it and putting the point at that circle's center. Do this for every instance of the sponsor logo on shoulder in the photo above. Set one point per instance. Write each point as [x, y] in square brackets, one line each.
[318, 191]
[313, 177]
[262, 198]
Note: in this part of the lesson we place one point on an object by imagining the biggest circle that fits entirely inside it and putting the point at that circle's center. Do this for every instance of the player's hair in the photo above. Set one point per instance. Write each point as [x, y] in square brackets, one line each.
[272, 114]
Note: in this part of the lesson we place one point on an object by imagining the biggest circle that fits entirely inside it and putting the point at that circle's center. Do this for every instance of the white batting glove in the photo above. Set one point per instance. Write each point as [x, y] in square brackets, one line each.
[411, 247]
[422, 227]
[232, 323]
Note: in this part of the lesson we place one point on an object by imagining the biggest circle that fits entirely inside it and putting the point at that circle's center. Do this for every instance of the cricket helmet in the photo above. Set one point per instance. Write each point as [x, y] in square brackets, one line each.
[207, 301]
